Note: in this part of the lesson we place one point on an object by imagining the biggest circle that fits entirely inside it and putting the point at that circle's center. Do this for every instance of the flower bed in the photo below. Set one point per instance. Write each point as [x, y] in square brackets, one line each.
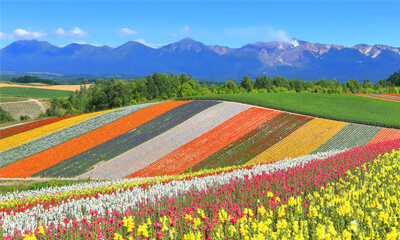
[7, 132]
[82, 162]
[36, 133]
[350, 136]
[355, 194]
[51, 140]
[255, 142]
[154, 149]
[301, 142]
[385, 134]
[38, 162]
[198, 149]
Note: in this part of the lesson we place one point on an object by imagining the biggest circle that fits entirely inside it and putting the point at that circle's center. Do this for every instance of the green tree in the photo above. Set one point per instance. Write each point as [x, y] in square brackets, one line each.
[5, 116]
[247, 83]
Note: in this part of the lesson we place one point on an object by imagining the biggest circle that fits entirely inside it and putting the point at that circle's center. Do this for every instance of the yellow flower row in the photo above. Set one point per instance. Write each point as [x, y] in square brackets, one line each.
[301, 142]
[36, 133]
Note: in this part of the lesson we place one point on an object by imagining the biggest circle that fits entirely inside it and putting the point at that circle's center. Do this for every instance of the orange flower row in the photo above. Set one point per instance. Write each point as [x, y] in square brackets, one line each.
[38, 162]
[202, 147]
[384, 135]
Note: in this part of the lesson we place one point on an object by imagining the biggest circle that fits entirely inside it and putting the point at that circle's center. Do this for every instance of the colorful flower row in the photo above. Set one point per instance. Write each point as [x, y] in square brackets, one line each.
[346, 196]
[36, 133]
[312, 175]
[350, 136]
[51, 203]
[301, 142]
[51, 140]
[81, 163]
[202, 147]
[255, 142]
[7, 132]
[40, 161]
[165, 143]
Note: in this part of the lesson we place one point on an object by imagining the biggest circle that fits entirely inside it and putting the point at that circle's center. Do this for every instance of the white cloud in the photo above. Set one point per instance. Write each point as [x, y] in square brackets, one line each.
[60, 32]
[152, 45]
[5, 36]
[23, 34]
[184, 30]
[127, 32]
[77, 32]
[281, 35]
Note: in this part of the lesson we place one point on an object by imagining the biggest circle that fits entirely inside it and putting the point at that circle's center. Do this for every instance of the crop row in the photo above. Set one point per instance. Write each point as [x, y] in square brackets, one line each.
[380, 96]
[350, 136]
[385, 134]
[7, 132]
[200, 148]
[301, 142]
[51, 140]
[292, 198]
[40, 161]
[161, 145]
[255, 142]
[82, 162]
[26, 137]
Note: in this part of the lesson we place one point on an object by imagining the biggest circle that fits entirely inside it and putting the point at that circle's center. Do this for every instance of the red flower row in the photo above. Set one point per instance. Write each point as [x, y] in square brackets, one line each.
[7, 132]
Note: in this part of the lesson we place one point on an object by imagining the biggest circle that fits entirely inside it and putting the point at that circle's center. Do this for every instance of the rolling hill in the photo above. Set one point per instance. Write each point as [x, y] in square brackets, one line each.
[173, 137]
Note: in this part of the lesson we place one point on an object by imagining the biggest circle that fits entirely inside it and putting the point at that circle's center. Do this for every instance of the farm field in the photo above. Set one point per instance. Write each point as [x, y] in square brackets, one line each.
[348, 108]
[200, 169]
[383, 96]
[32, 108]
[44, 86]
[29, 92]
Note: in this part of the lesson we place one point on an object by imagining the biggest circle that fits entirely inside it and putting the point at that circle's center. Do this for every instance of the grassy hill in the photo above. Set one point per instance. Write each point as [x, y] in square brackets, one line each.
[349, 108]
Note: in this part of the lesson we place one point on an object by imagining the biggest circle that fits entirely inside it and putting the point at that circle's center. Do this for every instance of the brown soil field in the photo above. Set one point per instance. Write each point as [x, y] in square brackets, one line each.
[54, 87]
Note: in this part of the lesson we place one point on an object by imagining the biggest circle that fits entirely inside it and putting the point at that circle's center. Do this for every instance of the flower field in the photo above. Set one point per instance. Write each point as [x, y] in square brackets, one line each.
[202, 170]
[337, 195]
[170, 138]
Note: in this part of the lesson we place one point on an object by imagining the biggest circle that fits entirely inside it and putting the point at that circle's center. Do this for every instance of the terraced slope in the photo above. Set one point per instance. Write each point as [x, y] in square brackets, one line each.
[172, 137]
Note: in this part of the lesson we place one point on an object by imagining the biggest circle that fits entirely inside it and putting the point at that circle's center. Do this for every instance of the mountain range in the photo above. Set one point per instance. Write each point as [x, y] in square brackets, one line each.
[301, 59]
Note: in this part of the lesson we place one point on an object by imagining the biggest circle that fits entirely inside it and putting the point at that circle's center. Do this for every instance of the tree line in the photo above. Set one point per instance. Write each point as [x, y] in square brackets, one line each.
[103, 94]
[34, 79]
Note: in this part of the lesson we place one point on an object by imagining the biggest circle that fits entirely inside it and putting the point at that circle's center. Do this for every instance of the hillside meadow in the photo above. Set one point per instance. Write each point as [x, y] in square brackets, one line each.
[349, 108]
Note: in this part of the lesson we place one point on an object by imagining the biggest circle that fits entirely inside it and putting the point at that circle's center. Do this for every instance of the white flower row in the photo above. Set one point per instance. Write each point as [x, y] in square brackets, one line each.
[79, 209]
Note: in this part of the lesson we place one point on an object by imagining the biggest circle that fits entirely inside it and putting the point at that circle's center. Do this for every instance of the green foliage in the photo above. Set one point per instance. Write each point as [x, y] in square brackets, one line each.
[33, 79]
[348, 108]
[24, 117]
[5, 116]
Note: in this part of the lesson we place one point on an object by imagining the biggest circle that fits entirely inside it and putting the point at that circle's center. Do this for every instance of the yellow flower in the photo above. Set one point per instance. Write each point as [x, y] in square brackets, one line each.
[41, 230]
[346, 235]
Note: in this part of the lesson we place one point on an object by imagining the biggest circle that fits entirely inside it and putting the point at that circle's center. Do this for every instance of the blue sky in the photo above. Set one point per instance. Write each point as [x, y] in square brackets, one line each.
[226, 23]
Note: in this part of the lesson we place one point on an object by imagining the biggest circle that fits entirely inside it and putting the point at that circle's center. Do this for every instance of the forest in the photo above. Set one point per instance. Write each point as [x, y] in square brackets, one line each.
[103, 94]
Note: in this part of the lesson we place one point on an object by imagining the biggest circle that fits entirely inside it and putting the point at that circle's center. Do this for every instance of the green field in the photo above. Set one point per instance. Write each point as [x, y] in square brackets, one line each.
[32, 92]
[346, 108]
[8, 98]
